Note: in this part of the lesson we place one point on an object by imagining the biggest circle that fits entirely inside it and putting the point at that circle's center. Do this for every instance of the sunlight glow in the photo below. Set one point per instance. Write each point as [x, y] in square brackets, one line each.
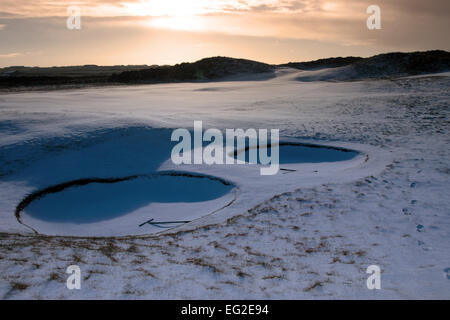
[188, 23]
[167, 7]
[329, 6]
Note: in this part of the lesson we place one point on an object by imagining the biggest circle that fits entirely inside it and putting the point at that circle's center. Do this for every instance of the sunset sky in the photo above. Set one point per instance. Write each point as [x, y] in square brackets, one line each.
[34, 32]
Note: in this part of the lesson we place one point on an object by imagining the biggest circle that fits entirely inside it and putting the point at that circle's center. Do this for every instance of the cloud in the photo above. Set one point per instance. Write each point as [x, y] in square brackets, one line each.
[114, 28]
[10, 55]
[101, 8]
[319, 9]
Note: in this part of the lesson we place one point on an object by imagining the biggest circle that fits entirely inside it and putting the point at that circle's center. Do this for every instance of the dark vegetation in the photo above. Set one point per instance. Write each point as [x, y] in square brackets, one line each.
[403, 64]
[386, 66]
[20, 76]
[220, 68]
[323, 63]
[215, 68]
[207, 69]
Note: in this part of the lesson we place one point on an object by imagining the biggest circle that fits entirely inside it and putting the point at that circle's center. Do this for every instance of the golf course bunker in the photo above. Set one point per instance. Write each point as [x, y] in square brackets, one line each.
[296, 152]
[130, 205]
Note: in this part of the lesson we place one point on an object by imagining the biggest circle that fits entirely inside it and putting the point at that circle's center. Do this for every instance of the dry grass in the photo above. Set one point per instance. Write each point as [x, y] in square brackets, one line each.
[203, 263]
[15, 285]
[314, 285]
[146, 272]
[274, 276]
[55, 277]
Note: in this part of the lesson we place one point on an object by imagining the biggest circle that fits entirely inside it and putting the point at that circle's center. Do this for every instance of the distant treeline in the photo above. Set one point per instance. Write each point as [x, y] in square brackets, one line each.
[34, 81]
[20, 76]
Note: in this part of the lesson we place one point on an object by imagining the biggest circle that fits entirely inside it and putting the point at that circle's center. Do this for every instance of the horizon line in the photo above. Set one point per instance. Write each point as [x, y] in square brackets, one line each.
[215, 56]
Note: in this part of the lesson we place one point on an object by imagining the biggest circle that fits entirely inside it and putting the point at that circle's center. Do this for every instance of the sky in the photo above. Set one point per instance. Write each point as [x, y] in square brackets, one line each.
[131, 32]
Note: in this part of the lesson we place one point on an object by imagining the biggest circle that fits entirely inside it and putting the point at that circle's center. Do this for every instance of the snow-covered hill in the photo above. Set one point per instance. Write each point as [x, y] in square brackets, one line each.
[384, 66]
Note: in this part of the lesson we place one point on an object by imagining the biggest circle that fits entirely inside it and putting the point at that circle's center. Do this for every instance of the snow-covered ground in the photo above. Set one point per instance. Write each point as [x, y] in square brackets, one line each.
[309, 233]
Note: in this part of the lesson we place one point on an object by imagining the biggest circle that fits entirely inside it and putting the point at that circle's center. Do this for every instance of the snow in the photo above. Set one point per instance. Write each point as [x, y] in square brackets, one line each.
[308, 233]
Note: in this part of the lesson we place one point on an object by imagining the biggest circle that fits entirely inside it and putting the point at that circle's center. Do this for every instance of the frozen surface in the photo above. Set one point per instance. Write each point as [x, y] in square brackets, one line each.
[102, 201]
[309, 232]
[299, 153]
